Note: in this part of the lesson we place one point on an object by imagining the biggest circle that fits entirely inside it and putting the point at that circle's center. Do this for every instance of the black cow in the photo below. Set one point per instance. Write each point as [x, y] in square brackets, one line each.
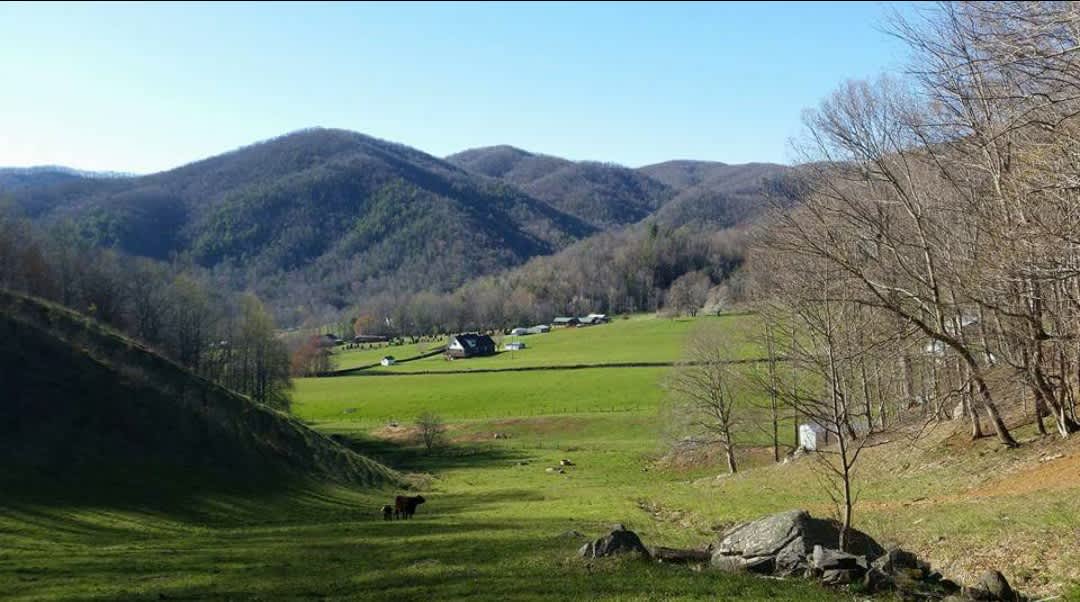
[405, 506]
[388, 512]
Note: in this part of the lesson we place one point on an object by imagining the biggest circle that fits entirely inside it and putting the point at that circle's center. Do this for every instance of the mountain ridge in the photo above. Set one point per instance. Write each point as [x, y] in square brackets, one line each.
[329, 216]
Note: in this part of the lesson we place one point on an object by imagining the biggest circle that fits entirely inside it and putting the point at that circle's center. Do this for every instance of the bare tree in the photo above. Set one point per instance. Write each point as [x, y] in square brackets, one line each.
[705, 391]
[432, 430]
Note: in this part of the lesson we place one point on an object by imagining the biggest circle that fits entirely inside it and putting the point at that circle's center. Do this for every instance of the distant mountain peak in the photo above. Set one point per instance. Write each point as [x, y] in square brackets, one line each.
[69, 171]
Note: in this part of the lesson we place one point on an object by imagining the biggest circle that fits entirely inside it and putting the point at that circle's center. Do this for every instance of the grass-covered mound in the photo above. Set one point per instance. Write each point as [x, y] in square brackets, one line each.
[80, 399]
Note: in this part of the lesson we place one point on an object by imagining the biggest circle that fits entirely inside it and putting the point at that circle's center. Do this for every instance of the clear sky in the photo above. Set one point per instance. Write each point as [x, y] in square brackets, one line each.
[146, 87]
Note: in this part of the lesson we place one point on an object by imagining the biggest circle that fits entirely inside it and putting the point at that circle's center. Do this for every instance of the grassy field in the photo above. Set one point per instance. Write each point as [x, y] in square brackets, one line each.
[636, 339]
[485, 395]
[498, 525]
[371, 353]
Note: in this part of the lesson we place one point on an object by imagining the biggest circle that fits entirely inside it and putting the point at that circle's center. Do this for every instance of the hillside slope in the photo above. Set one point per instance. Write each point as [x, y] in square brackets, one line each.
[338, 209]
[673, 193]
[714, 194]
[79, 398]
[604, 195]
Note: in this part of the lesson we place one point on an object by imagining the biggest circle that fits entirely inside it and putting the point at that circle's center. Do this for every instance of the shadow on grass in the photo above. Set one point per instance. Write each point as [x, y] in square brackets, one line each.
[408, 457]
[107, 503]
[418, 560]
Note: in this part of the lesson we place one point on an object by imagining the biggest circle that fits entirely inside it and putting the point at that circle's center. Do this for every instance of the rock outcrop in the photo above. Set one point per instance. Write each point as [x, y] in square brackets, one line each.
[781, 544]
[795, 544]
[619, 541]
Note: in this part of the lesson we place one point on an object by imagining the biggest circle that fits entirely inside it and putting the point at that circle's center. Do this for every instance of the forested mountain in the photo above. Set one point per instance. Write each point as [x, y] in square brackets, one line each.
[601, 194]
[715, 194]
[17, 179]
[634, 269]
[26, 179]
[675, 193]
[319, 220]
[330, 209]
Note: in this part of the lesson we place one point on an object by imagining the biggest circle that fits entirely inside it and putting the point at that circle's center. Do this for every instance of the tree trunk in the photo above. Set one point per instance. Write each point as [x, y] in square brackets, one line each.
[992, 414]
[773, 405]
[867, 403]
[729, 450]
[987, 399]
[976, 427]
[1040, 411]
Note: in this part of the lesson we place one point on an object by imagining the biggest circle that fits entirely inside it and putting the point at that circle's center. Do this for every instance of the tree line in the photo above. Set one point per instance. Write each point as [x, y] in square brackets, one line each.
[175, 309]
[922, 264]
[639, 269]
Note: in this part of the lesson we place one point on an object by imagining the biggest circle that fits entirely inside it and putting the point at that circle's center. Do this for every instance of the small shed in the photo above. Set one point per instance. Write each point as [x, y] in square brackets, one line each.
[514, 346]
[540, 329]
[519, 331]
[812, 436]
[388, 361]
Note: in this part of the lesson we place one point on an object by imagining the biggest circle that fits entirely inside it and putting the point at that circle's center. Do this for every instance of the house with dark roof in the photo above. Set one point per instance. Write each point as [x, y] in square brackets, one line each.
[564, 321]
[470, 344]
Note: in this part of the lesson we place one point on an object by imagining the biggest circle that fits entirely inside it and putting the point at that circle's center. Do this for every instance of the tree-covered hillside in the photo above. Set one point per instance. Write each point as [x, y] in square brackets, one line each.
[715, 194]
[604, 195]
[322, 213]
[675, 193]
[321, 220]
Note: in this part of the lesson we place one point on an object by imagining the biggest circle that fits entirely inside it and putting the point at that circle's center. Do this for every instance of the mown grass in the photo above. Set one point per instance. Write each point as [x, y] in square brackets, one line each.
[640, 338]
[370, 353]
[493, 528]
[377, 399]
[496, 520]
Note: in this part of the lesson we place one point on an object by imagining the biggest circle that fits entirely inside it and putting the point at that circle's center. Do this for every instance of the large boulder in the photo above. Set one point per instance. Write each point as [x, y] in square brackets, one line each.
[896, 559]
[619, 541]
[782, 543]
[992, 586]
[825, 559]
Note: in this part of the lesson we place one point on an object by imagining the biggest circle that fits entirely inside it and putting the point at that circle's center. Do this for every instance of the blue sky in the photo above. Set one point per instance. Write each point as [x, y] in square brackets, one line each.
[146, 87]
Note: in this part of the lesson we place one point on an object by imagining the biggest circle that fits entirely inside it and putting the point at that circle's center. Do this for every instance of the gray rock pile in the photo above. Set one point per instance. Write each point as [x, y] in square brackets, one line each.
[620, 541]
[795, 544]
[781, 544]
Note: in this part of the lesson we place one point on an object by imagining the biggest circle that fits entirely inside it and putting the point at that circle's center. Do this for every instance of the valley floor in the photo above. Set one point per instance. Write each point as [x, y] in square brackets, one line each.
[499, 525]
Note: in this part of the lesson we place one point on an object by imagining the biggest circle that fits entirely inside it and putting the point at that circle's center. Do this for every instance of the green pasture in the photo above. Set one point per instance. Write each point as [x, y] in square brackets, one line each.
[501, 523]
[372, 399]
[639, 338]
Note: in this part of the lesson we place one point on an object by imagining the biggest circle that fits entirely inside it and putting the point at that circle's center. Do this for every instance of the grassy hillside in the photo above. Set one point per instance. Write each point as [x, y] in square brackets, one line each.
[81, 400]
[498, 525]
[965, 507]
[494, 527]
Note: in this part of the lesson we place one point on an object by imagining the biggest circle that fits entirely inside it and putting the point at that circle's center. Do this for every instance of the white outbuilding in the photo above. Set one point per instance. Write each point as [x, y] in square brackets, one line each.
[811, 436]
